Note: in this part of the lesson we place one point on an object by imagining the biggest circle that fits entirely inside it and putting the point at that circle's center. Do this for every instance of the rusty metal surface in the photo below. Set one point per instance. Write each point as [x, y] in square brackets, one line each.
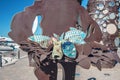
[57, 17]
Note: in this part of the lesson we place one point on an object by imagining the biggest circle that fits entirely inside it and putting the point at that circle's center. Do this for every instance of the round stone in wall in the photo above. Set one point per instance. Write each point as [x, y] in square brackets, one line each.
[111, 28]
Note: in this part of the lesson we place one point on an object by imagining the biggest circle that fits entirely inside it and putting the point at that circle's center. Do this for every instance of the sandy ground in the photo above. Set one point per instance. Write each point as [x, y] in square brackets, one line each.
[19, 71]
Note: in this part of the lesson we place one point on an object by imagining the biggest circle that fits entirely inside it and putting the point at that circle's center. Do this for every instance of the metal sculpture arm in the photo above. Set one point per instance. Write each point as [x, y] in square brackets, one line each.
[21, 26]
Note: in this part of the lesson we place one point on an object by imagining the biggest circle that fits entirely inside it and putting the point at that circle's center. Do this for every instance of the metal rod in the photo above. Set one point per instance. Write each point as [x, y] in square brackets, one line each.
[0, 60]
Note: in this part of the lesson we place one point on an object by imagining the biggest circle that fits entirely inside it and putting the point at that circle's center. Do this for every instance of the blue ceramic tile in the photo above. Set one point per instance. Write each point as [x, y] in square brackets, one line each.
[69, 49]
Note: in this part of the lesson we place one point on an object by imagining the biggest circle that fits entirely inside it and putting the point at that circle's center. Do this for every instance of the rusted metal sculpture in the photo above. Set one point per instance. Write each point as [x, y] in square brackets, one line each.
[57, 17]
